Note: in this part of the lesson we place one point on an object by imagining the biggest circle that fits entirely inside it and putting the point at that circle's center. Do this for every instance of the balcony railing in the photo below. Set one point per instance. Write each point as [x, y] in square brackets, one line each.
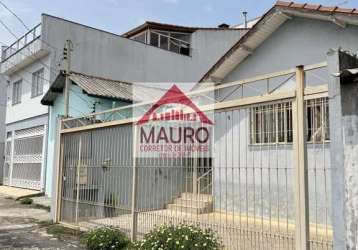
[23, 41]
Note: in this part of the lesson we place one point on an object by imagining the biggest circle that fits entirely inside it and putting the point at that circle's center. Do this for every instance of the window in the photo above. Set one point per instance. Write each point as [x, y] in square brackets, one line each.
[154, 39]
[16, 92]
[272, 123]
[141, 37]
[37, 83]
[172, 41]
[317, 122]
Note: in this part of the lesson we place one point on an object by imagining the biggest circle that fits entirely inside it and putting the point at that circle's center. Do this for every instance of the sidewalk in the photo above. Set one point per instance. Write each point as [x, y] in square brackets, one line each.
[29, 227]
[18, 193]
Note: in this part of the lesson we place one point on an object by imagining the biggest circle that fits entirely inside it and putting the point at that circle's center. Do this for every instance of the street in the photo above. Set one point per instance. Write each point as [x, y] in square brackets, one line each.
[28, 227]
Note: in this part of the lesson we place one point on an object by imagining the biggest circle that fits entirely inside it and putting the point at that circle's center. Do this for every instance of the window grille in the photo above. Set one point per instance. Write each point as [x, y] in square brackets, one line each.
[173, 41]
[37, 83]
[317, 122]
[272, 123]
[16, 92]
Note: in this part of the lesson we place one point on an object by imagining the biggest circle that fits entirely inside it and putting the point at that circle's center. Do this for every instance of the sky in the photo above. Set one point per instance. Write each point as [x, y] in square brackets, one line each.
[119, 16]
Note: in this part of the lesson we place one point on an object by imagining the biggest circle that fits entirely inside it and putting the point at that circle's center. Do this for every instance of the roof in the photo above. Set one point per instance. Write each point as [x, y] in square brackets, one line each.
[100, 87]
[316, 7]
[271, 21]
[171, 27]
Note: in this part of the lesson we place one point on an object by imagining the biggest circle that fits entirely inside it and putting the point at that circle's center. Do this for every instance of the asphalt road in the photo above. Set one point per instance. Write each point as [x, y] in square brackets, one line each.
[27, 227]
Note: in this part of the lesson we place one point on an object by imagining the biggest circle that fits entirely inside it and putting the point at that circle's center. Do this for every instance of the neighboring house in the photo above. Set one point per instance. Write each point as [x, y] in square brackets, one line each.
[168, 53]
[88, 94]
[288, 35]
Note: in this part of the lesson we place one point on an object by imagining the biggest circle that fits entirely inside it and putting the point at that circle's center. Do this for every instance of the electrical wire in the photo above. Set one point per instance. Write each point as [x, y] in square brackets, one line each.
[27, 28]
[23, 23]
[47, 80]
[31, 55]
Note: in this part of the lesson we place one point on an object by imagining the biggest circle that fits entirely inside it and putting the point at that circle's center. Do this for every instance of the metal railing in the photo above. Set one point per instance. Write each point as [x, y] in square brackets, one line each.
[207, 177]
[252, 198]
[22, 42]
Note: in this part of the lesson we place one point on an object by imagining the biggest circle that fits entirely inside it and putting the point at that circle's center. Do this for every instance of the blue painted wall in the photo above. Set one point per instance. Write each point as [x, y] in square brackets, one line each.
[80, 104]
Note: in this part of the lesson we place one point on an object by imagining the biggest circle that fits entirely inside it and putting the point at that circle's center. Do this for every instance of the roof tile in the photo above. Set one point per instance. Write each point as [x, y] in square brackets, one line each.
[316, 7]
[327, 8]
[297, 5]
[312, 6]
[283, 3]
[344, 10]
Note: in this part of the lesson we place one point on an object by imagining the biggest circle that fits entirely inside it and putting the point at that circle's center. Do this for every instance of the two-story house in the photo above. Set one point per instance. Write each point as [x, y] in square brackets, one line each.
[151, 52]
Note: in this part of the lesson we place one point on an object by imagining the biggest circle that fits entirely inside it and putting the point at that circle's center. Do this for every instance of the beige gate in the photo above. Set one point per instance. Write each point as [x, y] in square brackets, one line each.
[267, 185]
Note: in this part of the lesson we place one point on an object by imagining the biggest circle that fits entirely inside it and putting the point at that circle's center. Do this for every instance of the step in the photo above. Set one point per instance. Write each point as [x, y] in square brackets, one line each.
[192, 202]
[197, 197]
[189, 209]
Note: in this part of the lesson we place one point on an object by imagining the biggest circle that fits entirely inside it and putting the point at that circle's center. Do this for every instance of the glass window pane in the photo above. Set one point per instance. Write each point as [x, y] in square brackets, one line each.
[154, 39]
[164, 42]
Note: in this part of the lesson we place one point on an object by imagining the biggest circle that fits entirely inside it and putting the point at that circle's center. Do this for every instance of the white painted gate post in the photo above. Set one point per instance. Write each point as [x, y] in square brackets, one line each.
[134, 225]
[300, 160]
[11, 165]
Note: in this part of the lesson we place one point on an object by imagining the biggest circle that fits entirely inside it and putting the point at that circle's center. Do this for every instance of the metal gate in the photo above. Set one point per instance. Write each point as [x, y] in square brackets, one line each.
[267, 185]
[24, 152]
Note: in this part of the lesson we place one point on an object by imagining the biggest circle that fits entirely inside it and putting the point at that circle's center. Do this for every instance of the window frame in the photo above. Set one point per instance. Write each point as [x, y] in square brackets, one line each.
[16, 92]
[257, 132]
[37, 80]
[261, 125]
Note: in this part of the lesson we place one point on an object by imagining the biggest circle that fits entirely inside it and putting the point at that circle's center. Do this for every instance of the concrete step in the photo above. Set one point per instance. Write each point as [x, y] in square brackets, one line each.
[192, 203]
[197, 197]
[189, 209]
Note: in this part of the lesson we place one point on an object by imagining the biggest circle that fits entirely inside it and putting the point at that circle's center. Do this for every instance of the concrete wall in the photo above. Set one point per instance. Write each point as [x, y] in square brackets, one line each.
[344, 119]
[103, 54]
[297, 42]
[259, 178]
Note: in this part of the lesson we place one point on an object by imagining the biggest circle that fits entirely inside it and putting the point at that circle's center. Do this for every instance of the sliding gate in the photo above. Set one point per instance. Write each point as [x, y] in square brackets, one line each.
[265, 170]
[24, 158]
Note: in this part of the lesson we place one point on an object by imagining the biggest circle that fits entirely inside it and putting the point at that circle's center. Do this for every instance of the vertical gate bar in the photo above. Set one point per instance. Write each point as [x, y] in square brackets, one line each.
[11, 157]
[78, 178]
[300, 156]
[59, 173]
[134, 187]
[43, 159]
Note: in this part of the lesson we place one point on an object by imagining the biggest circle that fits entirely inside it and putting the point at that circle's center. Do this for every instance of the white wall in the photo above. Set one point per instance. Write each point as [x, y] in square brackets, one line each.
[103, 54]
[29, 107]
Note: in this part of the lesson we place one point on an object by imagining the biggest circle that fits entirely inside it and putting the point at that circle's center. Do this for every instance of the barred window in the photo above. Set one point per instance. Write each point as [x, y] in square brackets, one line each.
[16, 92]
[272, 123]
[317, 122]
[37, 83]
